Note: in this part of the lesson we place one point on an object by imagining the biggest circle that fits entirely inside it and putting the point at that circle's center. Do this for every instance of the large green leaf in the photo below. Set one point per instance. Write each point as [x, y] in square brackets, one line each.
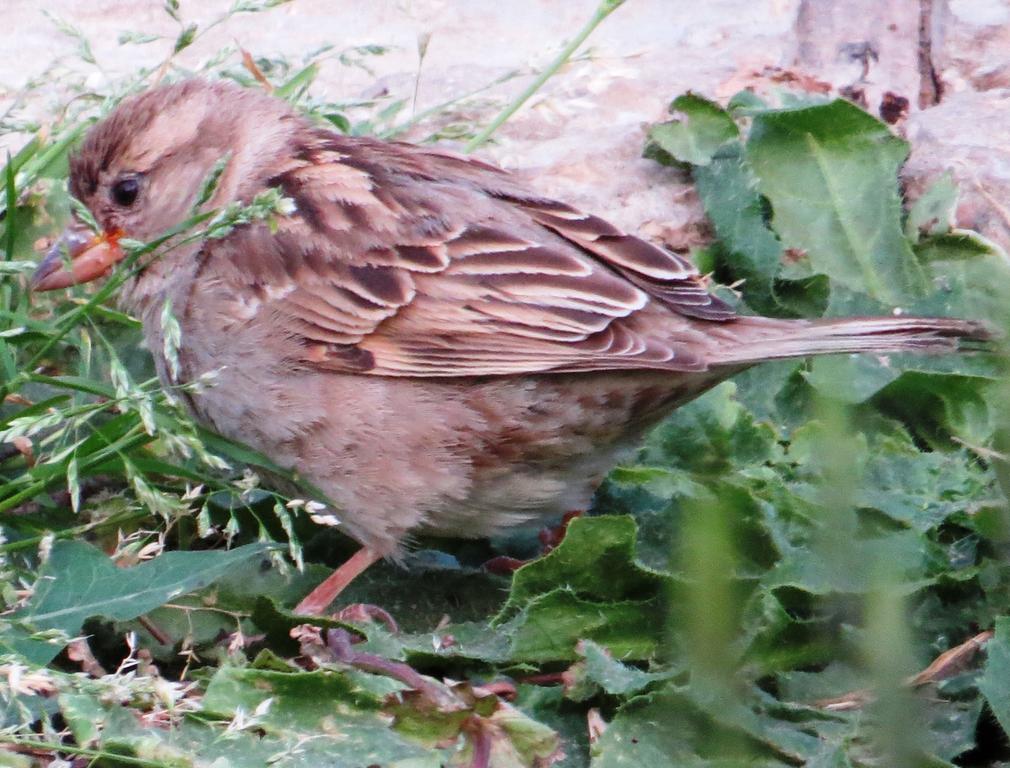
[353, 726]
[850, 378]
[251, 718]
[598, 666]
[954, 246]
[830, 172]
[933, 212]
[550, 627]
[995, 682]
[198, 743]
[325, 707]
[729, 191]
[713, 435]
[649, 730]
[708, 139]
[79, 581]
[695, 138]
[595, 561]
[589, 587]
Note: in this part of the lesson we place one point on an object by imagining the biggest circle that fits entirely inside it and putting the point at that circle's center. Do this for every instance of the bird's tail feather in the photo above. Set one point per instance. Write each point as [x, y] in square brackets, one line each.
[767, 339]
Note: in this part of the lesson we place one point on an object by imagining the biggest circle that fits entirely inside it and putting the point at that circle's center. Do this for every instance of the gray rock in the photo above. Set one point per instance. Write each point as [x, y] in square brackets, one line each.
[967, 134]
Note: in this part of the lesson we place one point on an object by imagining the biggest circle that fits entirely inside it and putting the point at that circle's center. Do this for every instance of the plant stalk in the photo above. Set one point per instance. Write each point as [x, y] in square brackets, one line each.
[605, 8]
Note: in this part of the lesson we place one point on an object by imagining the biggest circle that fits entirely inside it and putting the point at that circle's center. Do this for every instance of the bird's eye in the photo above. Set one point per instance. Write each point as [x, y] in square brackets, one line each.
[125, 191]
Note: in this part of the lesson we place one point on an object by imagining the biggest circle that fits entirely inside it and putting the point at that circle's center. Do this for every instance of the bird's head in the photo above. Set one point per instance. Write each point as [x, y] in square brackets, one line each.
[140, 170]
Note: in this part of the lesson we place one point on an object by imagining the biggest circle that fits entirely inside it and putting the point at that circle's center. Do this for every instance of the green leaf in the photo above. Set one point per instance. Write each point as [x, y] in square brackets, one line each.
[955, 245]
[470, 640]
[10, 209]
[550, 627]
[210, 182]
[255, 734]
[897, 559]
[508, 737]
[354, 727]
[293, 697]
[612, 676]
[137, 38]
[728, 190]
[79, 581]
[298, 83]
[712, 435]
[339, 121]
[595, 561]
[589, 587]
[746, 103]
[850, 379]
[84, 215]
[995, 681]
[548, 705]
[951, 728]
[939, 404]
[84, 715]
[917, 488]
[830, 172]
[185, 38]
[650, 730]
[933, 212]
[744, 715]
[695, 139]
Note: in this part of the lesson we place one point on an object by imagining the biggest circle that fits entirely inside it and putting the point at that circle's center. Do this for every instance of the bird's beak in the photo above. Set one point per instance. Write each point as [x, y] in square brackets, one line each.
[78, 256]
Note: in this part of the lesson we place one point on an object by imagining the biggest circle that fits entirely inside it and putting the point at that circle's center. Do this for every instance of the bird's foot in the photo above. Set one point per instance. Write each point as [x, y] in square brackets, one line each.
[365, 612]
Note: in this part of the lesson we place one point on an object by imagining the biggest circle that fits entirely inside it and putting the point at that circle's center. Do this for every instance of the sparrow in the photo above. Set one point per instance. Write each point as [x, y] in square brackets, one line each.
[436, 347]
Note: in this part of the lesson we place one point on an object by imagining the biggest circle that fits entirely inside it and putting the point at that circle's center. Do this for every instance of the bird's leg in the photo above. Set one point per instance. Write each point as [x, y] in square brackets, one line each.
[319, 599]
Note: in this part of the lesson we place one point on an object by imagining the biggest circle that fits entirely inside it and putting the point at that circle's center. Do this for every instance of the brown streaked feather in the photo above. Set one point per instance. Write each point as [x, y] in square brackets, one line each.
[662, 274]
[468, 274]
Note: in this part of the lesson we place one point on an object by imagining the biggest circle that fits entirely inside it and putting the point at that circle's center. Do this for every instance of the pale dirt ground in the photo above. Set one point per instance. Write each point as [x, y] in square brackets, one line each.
[581, 138]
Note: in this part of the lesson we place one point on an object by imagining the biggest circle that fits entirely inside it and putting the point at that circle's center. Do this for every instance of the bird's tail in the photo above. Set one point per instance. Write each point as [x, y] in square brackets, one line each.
[757, 338]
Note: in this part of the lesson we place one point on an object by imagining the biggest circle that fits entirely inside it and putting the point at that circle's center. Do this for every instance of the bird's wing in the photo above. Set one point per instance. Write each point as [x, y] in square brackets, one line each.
[403, 261]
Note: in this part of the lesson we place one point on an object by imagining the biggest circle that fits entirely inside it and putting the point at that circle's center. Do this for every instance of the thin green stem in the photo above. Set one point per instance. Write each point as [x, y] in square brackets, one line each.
[31, 542]
[8, 288]
[605, 8]
[12, 205]
[129, 440]
[405, 126]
